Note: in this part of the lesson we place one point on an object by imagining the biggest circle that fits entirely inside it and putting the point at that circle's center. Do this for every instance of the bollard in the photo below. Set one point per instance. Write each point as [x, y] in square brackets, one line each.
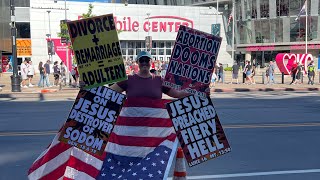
[263, 76]
[282, 78]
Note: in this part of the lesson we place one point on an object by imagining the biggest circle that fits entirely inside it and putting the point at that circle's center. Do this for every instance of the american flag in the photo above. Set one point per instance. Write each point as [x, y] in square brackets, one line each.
[62, 161]
[302, 11]
[142, 146]
[230, 17]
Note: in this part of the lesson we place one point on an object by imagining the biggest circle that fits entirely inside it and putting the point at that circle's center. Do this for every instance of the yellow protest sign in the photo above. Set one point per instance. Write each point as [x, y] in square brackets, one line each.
[97, 50]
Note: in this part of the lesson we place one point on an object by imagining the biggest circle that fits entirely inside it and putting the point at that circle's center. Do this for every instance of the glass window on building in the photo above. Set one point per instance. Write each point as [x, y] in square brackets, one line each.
[168, 51]
[123, 44]
[313, 27]
[276, 30]
[258, 31]
[295, 7]
[123, 51]
[265, 30]
[138, 44]
[297, 32]
[264, 8]
[154, 44]
[23, 29]
[254, 9]
[238, 10]
[168, 44]
[24, 3]
[161, 44]
[161, 51]
[282, 7]
[248, 9]
[131, 52]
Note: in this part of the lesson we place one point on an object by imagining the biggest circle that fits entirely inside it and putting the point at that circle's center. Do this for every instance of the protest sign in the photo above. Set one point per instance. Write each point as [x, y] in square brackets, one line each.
[192, 61]
[91, 119]
[97, 50]
[198, 129]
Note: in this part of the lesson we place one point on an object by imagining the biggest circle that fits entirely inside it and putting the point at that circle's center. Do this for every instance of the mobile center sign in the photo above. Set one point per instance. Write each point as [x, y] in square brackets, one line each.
[151, 24]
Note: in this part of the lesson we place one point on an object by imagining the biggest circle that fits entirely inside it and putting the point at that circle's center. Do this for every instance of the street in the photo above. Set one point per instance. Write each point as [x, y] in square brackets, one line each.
[273, 136]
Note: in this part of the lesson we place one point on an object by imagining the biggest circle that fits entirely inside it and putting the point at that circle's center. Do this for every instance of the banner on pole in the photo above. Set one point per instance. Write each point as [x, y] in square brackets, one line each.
[215, 29]
[192, 61]
[92, 118]
[97, 50]
[198, 129]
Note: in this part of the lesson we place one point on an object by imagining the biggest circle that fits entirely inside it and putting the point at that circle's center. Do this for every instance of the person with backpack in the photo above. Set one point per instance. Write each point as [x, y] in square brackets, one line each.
[311, 73]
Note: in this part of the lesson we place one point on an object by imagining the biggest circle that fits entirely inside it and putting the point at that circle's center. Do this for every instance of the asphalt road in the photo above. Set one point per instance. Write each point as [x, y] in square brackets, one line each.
[274, 136]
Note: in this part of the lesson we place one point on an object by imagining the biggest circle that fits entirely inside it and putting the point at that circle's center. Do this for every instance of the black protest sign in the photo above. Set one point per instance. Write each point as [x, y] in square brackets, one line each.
[92, 118]
[192, 61]
[198, 128]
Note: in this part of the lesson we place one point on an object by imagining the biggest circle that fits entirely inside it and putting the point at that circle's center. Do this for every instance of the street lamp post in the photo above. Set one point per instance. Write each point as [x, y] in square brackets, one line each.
[67, 42]
[15, 78]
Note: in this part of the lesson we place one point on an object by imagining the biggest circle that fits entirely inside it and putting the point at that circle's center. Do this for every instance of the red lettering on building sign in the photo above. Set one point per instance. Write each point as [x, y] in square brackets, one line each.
[154, 24]
[302, 46]
[260, 48]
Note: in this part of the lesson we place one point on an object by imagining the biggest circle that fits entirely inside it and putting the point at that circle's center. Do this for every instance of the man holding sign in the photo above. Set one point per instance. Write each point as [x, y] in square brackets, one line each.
[97, 50]
[143, 133]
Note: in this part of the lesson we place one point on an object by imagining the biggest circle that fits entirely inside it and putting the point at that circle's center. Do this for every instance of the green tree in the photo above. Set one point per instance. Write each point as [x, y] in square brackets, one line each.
[64, 28]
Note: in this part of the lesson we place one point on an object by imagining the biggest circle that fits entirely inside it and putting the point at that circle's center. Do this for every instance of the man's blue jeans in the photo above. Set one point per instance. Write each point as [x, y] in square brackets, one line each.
[271, 78]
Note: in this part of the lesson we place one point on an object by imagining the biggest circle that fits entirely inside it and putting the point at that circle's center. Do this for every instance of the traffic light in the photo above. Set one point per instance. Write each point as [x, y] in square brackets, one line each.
[50, 46]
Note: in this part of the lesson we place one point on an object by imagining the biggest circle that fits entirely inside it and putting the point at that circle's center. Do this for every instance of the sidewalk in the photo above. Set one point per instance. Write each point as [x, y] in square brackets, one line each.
[67, 93]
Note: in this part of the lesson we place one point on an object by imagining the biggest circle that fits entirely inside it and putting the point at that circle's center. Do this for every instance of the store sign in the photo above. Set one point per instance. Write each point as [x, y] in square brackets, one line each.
[286, 61]
[151, 24]
[24, 47]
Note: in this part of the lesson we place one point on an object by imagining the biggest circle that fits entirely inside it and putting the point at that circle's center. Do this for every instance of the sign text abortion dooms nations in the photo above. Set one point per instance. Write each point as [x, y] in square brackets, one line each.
[198, 129]
[97, 50]
[92, 118]
[192, 61]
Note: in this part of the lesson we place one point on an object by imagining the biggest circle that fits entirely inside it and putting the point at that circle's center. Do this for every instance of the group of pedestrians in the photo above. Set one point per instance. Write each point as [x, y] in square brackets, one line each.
[157, 67]
[27, 72]
[297, 73]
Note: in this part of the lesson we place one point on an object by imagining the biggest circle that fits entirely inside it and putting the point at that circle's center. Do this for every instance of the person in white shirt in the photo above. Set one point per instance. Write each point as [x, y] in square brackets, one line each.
[31, 73]
[24, 72]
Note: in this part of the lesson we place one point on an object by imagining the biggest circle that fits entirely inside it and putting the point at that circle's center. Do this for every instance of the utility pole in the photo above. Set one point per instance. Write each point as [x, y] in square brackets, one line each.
[15, 78]
[49, 36]
[67, 43]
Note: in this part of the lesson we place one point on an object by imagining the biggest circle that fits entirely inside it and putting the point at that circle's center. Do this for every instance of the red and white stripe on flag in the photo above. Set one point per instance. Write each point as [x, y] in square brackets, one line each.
[62, 161]
[230, 17]
[143, 124]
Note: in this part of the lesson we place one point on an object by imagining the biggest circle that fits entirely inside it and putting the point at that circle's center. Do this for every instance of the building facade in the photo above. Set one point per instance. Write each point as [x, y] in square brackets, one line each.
[135, 23]
[264, 28]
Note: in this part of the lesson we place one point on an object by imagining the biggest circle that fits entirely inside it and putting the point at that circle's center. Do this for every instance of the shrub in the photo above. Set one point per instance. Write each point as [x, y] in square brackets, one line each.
[228, 68]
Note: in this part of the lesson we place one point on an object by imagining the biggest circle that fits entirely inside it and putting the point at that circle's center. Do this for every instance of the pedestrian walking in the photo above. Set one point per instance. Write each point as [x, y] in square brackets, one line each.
[271, 73]
[24, 73]
[42, 74]
[220, 73]
[56, 73]
[47, 73]
[63, 72]
[311, 72]
[31, 73]
[248, 71]
[235, 73]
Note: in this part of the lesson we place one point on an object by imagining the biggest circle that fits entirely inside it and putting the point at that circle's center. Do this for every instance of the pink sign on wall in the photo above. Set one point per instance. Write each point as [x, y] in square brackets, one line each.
[60, 50]
[287, 61]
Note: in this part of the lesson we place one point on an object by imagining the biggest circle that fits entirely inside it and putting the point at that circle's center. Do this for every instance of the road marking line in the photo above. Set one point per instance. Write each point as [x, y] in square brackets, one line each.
[254, 174]
[245, 126]
[270, 125]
